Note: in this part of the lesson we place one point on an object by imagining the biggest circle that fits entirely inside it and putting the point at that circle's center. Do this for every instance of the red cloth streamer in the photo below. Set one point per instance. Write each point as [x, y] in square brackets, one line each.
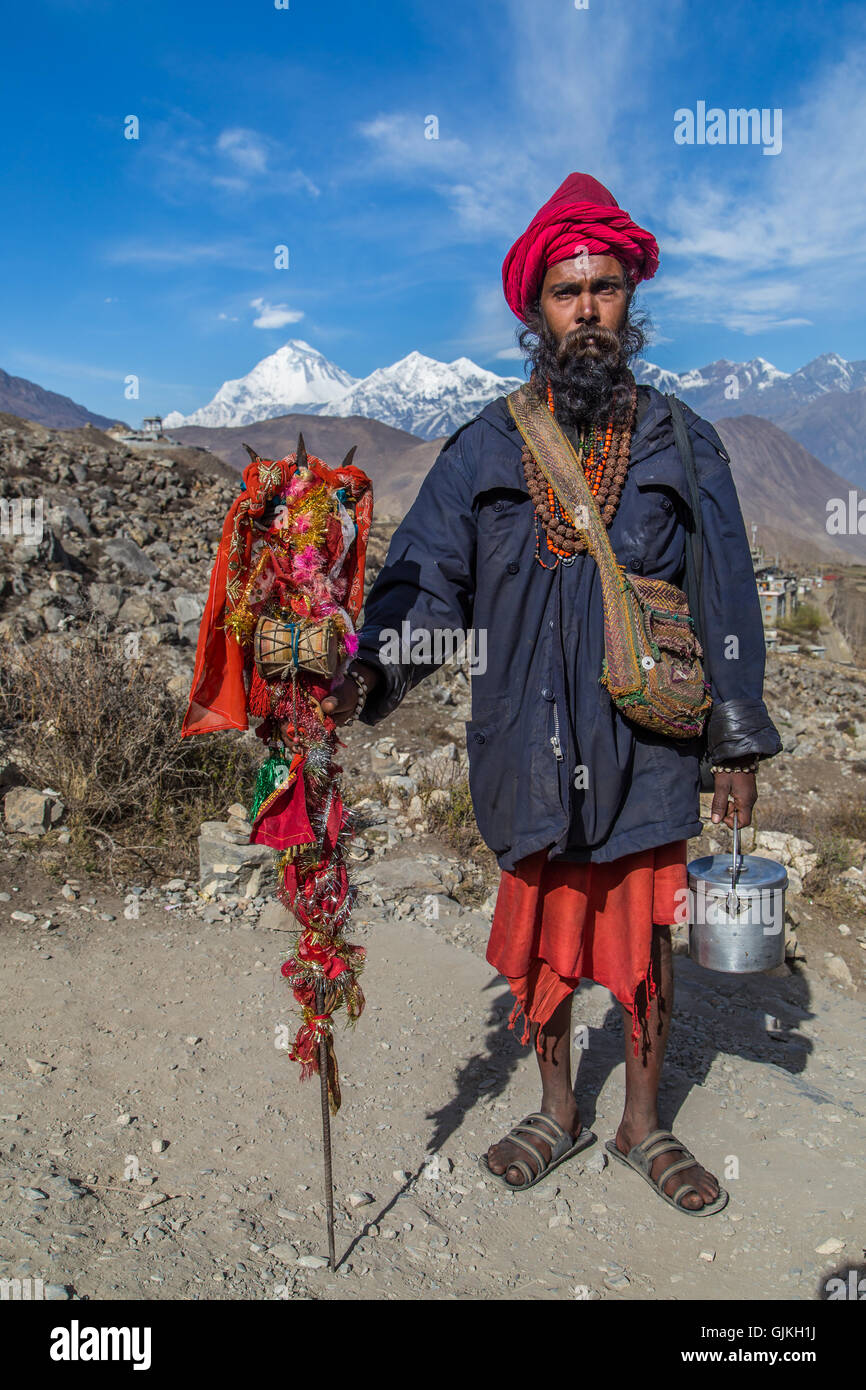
[581, 215]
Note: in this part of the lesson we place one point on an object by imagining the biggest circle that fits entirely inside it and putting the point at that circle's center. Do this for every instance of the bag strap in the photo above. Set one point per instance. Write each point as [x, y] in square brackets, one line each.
[695, 533]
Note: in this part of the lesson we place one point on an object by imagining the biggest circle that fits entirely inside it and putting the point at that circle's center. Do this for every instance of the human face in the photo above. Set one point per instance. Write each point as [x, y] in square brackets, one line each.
[583, 293]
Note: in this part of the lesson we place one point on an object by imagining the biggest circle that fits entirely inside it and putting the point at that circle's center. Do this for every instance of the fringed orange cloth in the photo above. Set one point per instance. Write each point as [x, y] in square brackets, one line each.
[557, 923]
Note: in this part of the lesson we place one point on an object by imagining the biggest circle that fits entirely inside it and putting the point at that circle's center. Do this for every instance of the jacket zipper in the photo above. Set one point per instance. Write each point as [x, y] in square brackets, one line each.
[557, 747]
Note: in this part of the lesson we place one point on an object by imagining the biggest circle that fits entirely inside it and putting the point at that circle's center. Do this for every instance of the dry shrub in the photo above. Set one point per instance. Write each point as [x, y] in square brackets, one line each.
[99, 727]
[452, 819]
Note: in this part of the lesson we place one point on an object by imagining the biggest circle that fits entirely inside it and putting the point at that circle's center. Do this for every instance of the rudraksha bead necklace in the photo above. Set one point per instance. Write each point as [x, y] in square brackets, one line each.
[604, 459]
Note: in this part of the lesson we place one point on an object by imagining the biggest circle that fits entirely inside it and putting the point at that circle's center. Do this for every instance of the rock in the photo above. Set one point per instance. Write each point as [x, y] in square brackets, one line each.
[397, 876]
[275, 917]
[158, 1146]
[67, 514]
[838, 969]
[62, 1189]
[313, 1262]
[131, 557]
[832, 1246]
[106, 599]
[226, 857]
[561, 1215]
[29, 812]
[122, 1120]
[154, 1199]
[617, 1281]
[708, 1255]
[188, 608]
[399, 782]
[33, 1194]
[359, 1199]
[55, 1293]
[39, 1068]
[597, 1163]
[26, 919]
[437, 1167]
[284, 1252]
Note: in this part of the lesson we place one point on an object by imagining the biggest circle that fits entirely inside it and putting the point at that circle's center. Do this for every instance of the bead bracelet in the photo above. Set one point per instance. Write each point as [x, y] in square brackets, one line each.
[750, 767]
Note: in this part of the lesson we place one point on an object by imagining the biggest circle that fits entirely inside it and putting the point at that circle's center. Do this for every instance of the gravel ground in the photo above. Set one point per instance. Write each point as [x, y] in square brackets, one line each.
[155, 1141]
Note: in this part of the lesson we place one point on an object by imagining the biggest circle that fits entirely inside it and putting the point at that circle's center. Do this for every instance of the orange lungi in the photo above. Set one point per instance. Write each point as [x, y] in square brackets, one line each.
[556, 923]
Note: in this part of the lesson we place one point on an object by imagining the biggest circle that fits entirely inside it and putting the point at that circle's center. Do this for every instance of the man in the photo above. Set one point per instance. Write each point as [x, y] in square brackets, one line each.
[588, 813]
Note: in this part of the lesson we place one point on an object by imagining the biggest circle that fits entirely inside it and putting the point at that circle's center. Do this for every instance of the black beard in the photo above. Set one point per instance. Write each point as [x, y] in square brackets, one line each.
[587, 371]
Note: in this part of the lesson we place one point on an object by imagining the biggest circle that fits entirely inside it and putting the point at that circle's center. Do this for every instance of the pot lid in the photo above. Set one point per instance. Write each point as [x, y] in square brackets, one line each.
[755, 873]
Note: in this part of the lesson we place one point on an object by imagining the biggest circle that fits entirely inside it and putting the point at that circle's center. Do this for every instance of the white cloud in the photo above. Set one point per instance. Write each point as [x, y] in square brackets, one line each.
[181, 253]
[245, 148]
[274, 315]
[750, 243]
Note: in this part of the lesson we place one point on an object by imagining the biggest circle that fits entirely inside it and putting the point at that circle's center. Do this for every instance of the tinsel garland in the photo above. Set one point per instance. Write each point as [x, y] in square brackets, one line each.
[297, 561]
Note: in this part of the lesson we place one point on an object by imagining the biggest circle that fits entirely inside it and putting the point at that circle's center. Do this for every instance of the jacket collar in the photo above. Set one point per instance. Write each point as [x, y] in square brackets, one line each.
[655, 459]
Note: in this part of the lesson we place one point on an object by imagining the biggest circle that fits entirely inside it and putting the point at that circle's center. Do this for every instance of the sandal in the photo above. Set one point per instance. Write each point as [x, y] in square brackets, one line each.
[562, 1146]
[644, 1154]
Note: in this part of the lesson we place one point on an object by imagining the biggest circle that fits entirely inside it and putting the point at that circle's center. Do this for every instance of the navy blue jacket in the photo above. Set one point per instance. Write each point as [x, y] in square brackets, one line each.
[464, 557]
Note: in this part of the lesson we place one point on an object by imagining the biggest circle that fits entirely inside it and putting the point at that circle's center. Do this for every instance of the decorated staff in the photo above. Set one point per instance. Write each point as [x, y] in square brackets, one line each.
[277, 633]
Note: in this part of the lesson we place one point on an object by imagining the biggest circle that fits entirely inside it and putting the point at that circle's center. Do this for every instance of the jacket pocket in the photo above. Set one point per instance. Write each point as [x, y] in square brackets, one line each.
[493, 769]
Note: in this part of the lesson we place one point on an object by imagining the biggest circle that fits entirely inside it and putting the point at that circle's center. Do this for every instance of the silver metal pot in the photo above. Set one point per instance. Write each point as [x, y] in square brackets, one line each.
[737, 911]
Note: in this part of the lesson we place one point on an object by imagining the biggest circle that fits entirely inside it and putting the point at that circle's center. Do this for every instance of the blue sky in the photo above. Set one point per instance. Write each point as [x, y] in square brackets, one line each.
[305, 126]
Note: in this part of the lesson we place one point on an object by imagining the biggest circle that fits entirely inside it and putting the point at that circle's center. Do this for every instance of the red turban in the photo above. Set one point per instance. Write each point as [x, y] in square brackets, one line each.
[582, 213]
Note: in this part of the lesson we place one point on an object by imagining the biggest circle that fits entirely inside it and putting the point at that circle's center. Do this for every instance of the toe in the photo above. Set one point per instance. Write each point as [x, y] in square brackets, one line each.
[494, 1162]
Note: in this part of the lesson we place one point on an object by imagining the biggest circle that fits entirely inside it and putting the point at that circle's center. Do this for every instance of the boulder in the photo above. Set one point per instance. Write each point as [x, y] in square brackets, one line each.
[225, 856]
[30, 812]
[131, 557]
[395, 877]
[106, 598]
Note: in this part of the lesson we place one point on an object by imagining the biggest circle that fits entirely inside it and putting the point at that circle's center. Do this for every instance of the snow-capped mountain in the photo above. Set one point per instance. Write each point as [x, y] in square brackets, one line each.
[295, 378]
[756, 387]
[430, 399]
[423, 396]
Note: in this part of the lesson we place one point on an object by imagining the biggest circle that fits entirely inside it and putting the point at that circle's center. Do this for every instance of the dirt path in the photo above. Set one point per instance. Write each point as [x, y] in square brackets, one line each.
[830, 635]
[163, 1028]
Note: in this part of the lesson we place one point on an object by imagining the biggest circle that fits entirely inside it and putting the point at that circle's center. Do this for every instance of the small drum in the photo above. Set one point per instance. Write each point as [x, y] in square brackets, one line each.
[282, 645]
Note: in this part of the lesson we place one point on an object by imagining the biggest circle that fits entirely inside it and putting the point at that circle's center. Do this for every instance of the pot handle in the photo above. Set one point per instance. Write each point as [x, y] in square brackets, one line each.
[732, 902]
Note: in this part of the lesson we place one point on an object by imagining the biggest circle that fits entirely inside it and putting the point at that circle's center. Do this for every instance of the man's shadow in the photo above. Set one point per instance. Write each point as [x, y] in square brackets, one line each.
[754, 1017]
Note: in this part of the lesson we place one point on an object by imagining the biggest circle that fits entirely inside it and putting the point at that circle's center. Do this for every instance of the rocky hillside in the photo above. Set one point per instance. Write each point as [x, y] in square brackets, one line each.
[18, 396]
[126, 534]
[130, 536]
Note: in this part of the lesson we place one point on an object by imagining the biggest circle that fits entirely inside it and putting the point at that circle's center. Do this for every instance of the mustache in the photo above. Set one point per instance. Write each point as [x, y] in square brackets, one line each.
[589, 342]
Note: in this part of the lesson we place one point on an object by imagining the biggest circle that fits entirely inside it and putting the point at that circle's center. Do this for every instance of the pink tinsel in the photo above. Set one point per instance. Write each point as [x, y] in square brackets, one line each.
[306, 564]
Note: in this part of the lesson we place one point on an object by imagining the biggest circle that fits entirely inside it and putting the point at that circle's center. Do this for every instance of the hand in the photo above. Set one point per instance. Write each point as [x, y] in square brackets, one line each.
[340, 703]
[734, 791]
